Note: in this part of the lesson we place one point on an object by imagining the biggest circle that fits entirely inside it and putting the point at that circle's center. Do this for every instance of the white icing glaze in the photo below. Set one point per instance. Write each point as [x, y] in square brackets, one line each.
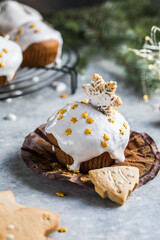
[29, 36]
[10, 236]
[112, 181]
[11, 227]
[120, 182]
[128, 168]
[110, 177]
[14, 14]
[114, 171]
[130, 174]
[12, 59]
[124, 178]
[84, 147]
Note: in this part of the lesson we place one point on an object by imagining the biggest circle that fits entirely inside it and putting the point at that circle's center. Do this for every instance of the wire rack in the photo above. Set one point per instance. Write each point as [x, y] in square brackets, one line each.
[32, 80]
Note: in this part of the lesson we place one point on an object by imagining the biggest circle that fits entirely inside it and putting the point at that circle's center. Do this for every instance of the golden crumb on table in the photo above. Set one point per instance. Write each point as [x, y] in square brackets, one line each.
[62, 229]
[60, 194]
[76, 171]
[64, 95]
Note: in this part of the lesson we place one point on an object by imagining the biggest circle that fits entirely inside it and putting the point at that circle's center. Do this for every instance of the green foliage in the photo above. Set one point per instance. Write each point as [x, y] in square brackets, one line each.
[106, 29]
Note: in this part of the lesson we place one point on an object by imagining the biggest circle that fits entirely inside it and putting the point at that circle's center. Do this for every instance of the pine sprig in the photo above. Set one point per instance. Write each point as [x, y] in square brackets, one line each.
[106, 29]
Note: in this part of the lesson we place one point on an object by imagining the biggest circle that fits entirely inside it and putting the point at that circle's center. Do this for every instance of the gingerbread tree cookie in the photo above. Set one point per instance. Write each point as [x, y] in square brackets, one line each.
[115, 183]
[21, 223]
[102, 94]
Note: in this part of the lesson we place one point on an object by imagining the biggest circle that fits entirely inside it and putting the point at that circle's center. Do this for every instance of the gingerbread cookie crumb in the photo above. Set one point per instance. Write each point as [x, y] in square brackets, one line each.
[62, 229]
[60, 194]
[64, 95]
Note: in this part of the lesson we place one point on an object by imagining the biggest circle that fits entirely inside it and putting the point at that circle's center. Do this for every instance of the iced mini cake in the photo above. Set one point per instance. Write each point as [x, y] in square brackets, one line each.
[14, 14]
[10, 60]
[41, 45]
[90, 134]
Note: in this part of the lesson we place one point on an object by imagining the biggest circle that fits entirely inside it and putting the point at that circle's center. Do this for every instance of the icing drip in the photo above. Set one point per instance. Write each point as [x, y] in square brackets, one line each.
[10, 236]
[81, 145]
[130, 175]
[11, 227]
[11, 58]
[120, 172]
[120, 182]
[112, 181]
[29, 36]
[14, 14]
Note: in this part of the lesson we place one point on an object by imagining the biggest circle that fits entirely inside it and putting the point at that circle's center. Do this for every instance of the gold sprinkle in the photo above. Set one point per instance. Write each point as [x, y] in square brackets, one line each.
[64, 95]
[32, 26]
[125, 125]
[88, 131]
[21, 31]
[85, 115]
[116, 110]
[37, 31]
[62, 229]
[2, 64]
[76, 171]
[60, 194]
[60, 117]
[74, 106]
[68, 167]
[90, 120]
[68, 131]
[111, 120]
[62, 111]
[74, 120]
[5, 50]
[85, 101]
[104, 144]
[106, 137]
[16, 39]
[1, 54]
[122, 131]
[68, 103]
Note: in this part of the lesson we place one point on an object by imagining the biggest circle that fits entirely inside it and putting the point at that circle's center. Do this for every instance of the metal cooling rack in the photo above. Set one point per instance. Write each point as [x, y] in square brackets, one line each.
[32, 80]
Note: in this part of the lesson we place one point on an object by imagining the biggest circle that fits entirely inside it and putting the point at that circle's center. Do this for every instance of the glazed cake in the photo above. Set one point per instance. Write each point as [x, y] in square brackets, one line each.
[14, 14]
[40, 44]
[90, 134]
[10, 60]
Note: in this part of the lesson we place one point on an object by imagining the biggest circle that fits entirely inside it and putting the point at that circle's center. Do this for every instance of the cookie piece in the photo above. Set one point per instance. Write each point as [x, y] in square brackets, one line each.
[19, 222]
[115, 183]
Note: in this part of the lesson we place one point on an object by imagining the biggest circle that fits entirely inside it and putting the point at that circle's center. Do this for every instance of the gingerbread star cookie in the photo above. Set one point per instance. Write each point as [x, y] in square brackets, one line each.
[115, 183]
[19, 222]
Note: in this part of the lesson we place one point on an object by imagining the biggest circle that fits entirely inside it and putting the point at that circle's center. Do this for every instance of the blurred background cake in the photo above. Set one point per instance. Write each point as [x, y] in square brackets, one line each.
[10, 60]
[40, 43]
[14, 14]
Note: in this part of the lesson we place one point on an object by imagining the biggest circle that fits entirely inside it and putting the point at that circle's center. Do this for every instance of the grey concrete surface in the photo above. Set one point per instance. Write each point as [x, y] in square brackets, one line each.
[82, 211]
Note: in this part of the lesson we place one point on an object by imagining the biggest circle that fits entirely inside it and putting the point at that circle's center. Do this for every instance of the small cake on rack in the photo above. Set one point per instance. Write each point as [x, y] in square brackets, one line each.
[41, 45]
[14, 14]
[90, 134]
[10, 60]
